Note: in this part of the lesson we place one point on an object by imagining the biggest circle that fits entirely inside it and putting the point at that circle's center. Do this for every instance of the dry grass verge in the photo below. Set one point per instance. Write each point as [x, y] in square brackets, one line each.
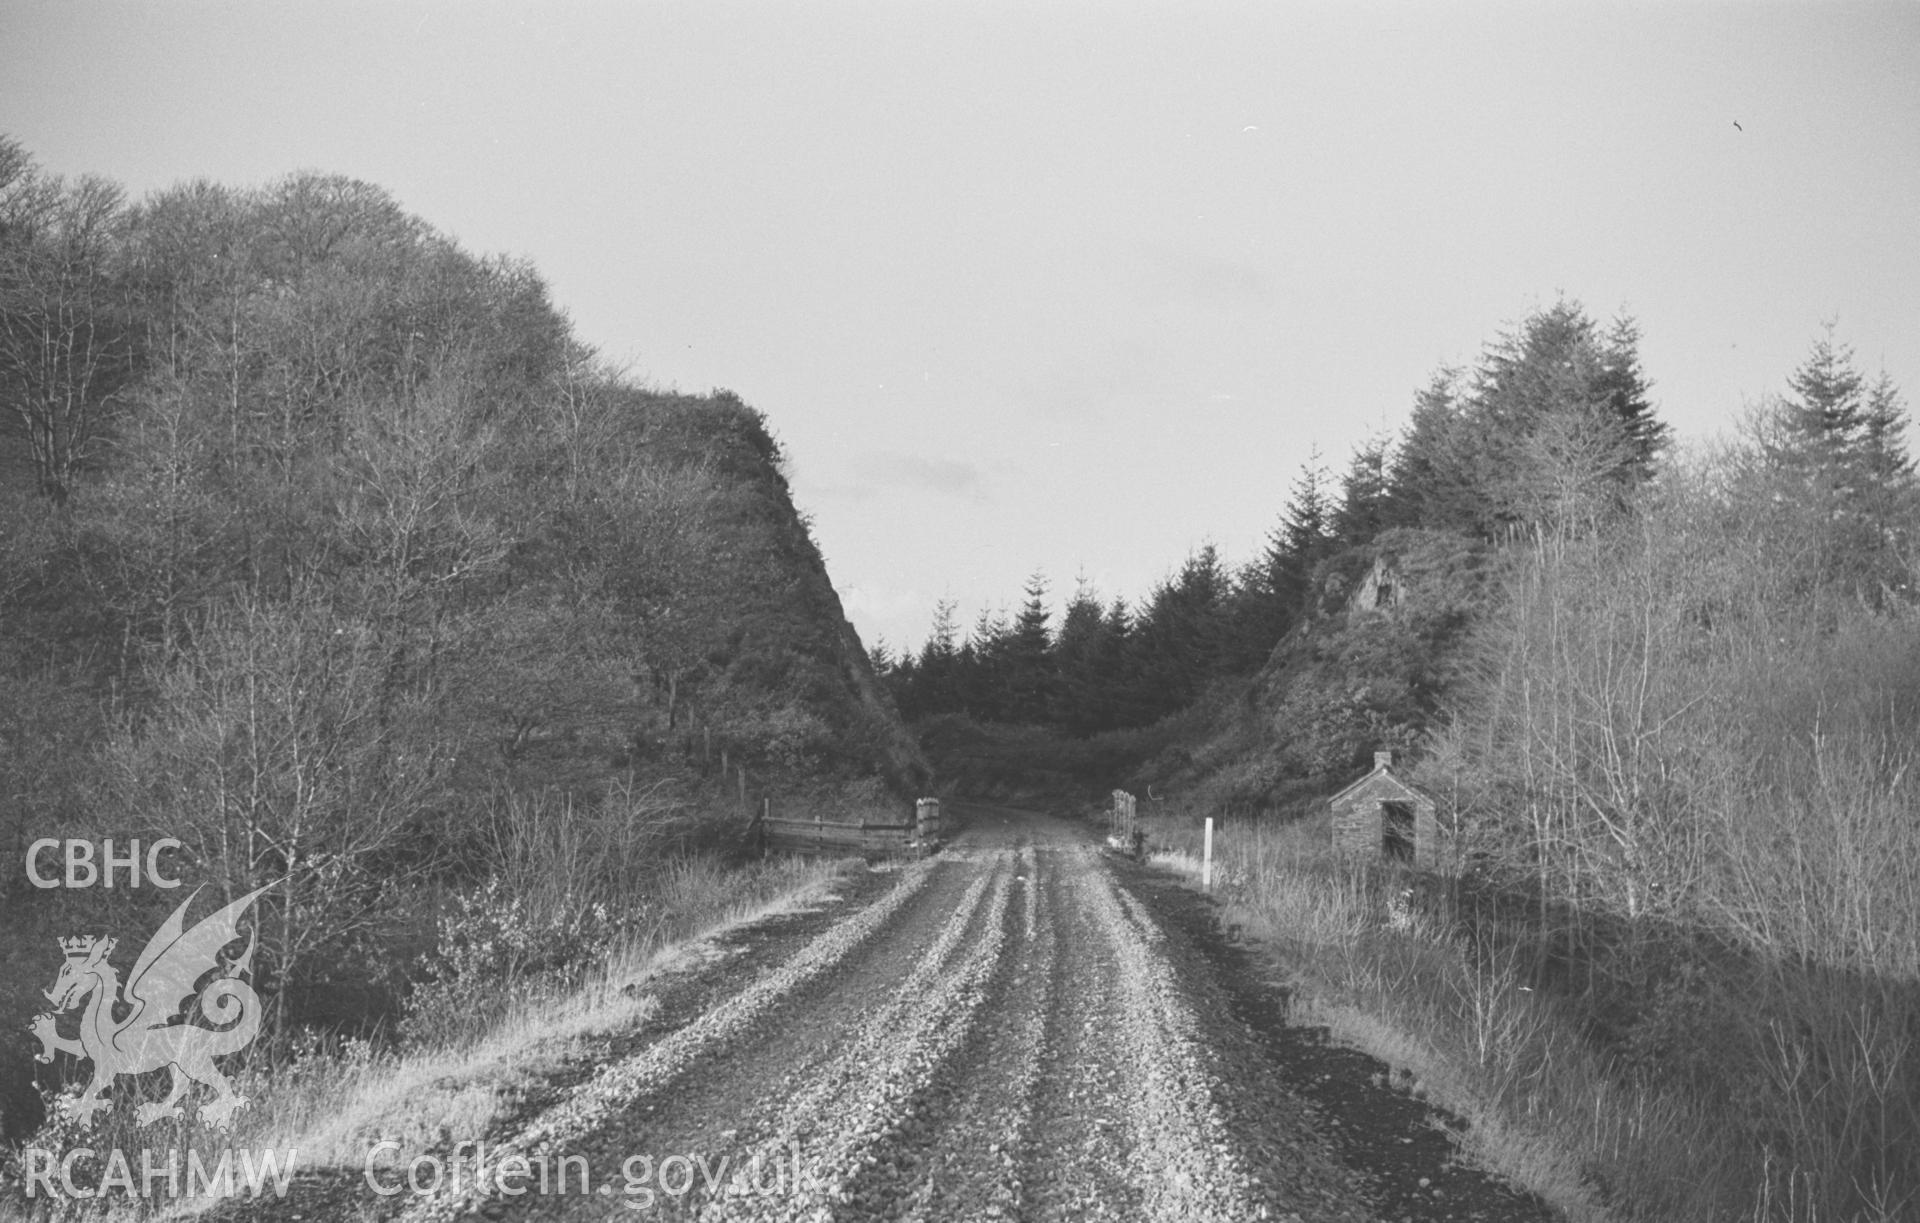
[1745, 1109]
[1463, 1030]
[331, 1101]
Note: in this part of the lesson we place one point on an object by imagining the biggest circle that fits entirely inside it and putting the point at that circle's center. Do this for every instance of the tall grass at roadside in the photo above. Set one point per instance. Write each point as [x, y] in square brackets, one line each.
[510, 997]
[1742, 1085]
[1394, 975]
[1698, 758]
[450, 1087]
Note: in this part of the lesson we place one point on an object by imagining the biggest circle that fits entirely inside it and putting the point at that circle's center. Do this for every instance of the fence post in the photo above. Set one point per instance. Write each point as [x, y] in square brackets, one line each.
[1206, 860]
[1125, 824]
[926, 818]
[743, 787]
[757, 828]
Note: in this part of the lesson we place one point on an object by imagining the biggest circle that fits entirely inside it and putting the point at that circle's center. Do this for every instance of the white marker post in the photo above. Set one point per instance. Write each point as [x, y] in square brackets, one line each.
[1206, 860]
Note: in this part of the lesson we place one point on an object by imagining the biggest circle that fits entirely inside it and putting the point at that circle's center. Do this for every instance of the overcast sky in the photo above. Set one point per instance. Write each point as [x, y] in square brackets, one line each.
[1063, 287]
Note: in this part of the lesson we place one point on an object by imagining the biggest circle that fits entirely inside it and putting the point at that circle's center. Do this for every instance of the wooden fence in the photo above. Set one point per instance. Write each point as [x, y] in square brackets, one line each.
[766, 829]
[916, 835]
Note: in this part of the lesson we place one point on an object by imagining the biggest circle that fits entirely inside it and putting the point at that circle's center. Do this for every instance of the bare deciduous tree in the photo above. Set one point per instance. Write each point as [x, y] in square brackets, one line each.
[66, 338]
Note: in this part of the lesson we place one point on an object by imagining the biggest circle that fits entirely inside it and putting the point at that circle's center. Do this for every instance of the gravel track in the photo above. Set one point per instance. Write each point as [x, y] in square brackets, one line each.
[1185, 1160]
[1075, 1163]
[1019, 1028]
[614, 1088]
[957, 1156]
[848, 1118]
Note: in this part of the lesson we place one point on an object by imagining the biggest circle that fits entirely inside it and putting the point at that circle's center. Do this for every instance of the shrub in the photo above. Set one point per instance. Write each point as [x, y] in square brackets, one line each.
[495, 949]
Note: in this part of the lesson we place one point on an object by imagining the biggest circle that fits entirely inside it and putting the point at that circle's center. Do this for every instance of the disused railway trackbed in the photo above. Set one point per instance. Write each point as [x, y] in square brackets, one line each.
[1009, 1032]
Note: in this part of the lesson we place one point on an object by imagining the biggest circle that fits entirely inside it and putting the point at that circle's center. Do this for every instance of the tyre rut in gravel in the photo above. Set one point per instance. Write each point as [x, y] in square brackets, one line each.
[795, 1102]
[689, 1084]
[1074, 1161]
[956, 1156]
[1134, 1074]
[844, 1121]
[1084, 1089]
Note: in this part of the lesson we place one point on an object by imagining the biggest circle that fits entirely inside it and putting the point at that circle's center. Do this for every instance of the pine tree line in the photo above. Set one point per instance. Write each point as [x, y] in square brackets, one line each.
[1552, 429]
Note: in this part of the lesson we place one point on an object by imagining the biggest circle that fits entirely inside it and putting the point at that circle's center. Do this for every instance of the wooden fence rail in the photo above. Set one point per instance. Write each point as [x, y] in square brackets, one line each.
[765, 830]
[917, 835]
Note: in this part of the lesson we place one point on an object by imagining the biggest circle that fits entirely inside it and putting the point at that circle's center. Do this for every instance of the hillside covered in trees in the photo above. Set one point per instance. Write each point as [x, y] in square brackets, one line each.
[327, 550]
[1488, 453]
[1666, 698]
[1552, 433]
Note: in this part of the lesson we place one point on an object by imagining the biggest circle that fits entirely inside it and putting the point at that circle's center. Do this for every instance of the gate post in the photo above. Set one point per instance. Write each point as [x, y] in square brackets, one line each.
[926, 819]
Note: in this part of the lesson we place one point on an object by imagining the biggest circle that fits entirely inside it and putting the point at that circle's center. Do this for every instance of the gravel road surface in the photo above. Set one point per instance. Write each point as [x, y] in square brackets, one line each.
[1020, 1027]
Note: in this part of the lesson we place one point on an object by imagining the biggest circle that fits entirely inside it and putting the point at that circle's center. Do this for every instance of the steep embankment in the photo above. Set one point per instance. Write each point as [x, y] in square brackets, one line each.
[717, 605]
[335, 557]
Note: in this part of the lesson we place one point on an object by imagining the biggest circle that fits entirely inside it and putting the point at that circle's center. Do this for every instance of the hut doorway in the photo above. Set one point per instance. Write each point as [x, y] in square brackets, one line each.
[1396, 831]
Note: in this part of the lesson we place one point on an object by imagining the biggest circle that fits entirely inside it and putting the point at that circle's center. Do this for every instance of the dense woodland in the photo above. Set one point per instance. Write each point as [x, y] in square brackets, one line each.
[1551, 433]
[326, 549]
[1482, 456]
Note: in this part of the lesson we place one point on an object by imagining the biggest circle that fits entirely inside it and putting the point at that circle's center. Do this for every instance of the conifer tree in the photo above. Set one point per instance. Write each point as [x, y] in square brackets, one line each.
[1824, 416]
[1304, 532]
[1119, 701]
[1268, 593]
[1555, 422]
[983, 673]
[1628, 393]
[1842, 444]
[1078, 662]
[1432, 482]
[1361, 513]
[1883, 454]
[1891, 502]
[1028, 657]
[937, 680]
[902, 682]
[1181, 637]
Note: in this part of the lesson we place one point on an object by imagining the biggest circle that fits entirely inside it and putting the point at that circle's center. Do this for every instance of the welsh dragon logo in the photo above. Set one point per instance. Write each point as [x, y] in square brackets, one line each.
[146, 1037]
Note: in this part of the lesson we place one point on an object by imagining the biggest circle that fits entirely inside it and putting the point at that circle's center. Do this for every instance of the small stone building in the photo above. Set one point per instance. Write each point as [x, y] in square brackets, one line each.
[1382, 816]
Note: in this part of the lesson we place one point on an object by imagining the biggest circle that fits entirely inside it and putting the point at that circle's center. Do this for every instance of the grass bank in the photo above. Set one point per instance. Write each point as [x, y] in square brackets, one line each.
[333, 1100]
[1383, 962]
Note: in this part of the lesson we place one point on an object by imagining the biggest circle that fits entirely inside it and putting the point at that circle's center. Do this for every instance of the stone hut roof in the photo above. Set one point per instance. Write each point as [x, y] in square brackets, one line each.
[1380, 786]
